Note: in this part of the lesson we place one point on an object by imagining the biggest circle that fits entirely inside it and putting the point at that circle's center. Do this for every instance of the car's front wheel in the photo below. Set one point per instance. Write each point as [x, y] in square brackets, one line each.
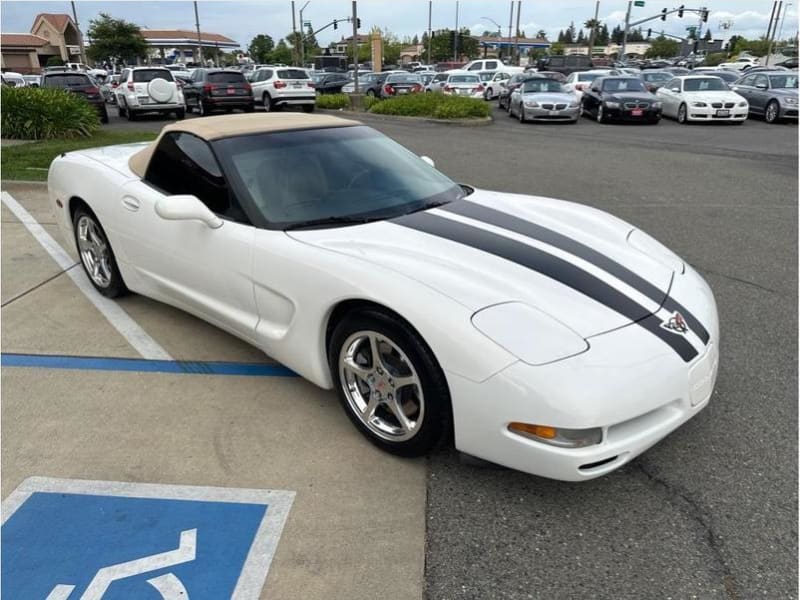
[683, 117]
[96, 254]
[601, 117]
[389, 383]
[771, 112]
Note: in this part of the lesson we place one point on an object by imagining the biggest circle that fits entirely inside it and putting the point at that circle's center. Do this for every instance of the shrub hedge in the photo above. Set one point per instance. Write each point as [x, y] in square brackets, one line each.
[333, 101]
[437, 106]
[44, 113]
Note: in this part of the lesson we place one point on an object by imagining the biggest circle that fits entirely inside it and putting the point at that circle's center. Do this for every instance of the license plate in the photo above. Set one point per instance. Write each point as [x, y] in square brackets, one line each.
[402, 91]
[637, 112]
[297, 85]
[723, 113]
[553, 113]
[231, 91]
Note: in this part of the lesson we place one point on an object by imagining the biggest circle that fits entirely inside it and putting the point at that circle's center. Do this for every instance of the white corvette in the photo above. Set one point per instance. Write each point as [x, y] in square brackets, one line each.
[549, 337]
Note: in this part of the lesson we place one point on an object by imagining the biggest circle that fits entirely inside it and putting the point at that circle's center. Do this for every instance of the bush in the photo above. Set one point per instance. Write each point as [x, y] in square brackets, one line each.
[368, 101]
[333, 101]
[712, 60]
[55, 61]
[438, 106]
[44, 113]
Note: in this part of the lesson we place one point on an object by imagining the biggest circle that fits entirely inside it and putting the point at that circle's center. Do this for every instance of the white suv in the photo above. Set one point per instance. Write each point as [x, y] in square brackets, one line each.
[148, 89]
[283, 86]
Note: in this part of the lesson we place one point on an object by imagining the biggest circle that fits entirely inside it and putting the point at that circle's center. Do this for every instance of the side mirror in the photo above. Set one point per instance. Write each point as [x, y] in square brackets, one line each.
[761, 86]
[676, 90]
[428, 160]
[185, 207]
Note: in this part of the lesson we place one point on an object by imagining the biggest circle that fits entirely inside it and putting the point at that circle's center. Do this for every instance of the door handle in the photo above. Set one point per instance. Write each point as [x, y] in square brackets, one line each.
[130, 203]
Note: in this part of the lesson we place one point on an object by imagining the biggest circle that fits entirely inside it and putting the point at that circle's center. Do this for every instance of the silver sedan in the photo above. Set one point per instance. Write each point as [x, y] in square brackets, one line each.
[771, 94]
[543, 99]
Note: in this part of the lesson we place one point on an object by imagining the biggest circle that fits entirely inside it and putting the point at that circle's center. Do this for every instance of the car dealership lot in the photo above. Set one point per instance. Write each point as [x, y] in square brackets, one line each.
[709, 512]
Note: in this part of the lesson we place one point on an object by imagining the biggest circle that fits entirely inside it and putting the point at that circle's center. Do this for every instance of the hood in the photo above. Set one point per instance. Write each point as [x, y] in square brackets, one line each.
[713, 96]
[631, 97]
[462, 265]
[550, 97]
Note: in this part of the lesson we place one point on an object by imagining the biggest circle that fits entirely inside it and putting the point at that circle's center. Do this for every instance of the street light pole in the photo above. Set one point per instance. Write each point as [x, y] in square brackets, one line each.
[199, 41]
[302, 36]
[594, 28]
[455, 37]
[783, 20]
[516, 33]
[80, 35]
[294, 34]
[430, 14]
[621, 56]
[355, 46]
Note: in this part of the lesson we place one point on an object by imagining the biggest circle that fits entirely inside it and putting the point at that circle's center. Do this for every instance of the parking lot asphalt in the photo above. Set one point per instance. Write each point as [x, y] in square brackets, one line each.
[710, 512]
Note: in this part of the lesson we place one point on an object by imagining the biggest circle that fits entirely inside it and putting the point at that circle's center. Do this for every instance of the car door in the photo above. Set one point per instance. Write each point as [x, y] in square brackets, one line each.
[744, 87]
[760, 93]
[670, 99]
[202, 270]
[592, 98]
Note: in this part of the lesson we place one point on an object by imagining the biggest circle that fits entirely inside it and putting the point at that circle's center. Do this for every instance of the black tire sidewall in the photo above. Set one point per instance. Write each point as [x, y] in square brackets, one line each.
[117, 286]
[766, 112]
[438, 415]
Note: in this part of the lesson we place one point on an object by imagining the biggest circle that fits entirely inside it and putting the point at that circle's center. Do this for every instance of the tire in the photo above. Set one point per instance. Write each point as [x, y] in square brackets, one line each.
[201, 108]
[308, 108]
[94, 249]
[487, 95]
[249, 108]
[521, 114]
[266, 100]
[601, 117]
[104, 116]
[426, 399]
[180, 114]
[121, 112]
[131, 114]
[682, 116]
[372, 93]
[771, 112]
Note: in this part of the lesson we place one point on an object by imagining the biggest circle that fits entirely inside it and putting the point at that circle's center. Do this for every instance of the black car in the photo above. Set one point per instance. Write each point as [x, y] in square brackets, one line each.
[565, 64]
[512, 84]
[621, 99]
[218, 89]
[329, 83]
[789, 63]
[656, 64]
[80, 84]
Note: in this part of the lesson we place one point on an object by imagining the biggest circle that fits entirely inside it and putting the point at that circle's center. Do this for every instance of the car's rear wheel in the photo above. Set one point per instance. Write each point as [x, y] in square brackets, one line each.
[104, 115]
[180, 114]
[130, 113]
[389, 383]
[308, 108]
[771, 112]
[202, 109]
[682, 116]
[249, 108]
[266, 100]
[96, 254]
[121, 106]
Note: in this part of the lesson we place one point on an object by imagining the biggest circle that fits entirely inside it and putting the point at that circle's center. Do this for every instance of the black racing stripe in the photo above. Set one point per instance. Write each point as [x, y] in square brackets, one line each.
[498, 218]
[550, 266]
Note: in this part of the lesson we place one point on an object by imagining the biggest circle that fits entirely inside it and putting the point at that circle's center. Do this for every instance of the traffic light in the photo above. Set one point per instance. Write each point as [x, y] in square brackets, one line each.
[680, 11]
[705, 16]
[663, 14]
[335, 24]
[649, 33]
[452, 37]
[358, 22]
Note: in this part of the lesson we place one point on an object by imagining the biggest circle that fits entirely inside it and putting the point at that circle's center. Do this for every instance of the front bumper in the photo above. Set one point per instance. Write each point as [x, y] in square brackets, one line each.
[788, 111]
[543, 114]
[626, 114]
[629, 383]
[736, 113]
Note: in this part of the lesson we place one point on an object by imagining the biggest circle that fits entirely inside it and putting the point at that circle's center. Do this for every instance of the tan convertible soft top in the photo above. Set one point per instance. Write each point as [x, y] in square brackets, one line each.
[213, 128]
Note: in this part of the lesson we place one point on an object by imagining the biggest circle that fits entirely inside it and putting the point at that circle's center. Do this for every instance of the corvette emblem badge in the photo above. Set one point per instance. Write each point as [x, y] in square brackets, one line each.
[676, 324]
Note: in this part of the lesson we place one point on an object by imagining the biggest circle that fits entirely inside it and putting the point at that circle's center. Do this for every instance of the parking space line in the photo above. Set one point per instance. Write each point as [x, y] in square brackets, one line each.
[119, 319]
[96, 363]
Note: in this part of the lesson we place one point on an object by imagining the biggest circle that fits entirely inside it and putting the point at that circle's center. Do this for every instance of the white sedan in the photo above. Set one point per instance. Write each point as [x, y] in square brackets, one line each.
[548, 336]
[701, 98]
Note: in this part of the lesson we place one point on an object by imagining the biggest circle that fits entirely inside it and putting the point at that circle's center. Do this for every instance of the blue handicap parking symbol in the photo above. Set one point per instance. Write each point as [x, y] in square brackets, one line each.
[75, 540]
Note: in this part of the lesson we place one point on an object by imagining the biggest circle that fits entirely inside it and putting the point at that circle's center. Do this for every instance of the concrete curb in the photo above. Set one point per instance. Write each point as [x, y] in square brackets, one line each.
[471, 122]
[6, 180]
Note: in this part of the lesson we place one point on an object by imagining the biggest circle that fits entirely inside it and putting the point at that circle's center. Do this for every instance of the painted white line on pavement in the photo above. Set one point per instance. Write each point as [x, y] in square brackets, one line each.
[119, 319]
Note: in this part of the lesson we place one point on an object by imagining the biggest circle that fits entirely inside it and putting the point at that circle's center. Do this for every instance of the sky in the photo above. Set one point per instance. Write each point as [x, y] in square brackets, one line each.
[243, 20]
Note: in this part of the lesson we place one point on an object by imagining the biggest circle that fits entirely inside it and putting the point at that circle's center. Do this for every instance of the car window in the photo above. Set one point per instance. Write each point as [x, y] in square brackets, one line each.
[292, 74]
[747, 80]
[486, 76]
[184, 164]
[440, 77]
[706, 84]
[588, 76]
[537, 86]
[761, 80]
[67, 80]
[555, 61]
[226, 77]
[623, 85]
[146, 75]
[788, 81]
[463, 79]
[476, 67]
[491, 64]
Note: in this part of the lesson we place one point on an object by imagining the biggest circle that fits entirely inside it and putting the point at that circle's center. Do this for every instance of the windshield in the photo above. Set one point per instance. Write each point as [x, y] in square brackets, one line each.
[403, 78]
[783, 81]
[536, 86]
[657, 76]
[67, 80]
[342, 172]
[706, 84]
[623, 85]
[226, 77]
[487, 76]
[145, 75]
[463, 79]
[292, 74]
[588, 76]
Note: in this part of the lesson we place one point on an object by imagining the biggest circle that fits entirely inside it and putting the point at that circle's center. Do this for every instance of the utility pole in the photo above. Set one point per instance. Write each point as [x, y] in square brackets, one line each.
[455, 37]
[621, 56]
[302, 36]
[80, 34]
[294, 35]
[783, 20]
[773, 25]
[516, 33]
[510, 21]
[355, 47]
[199, 41]
[430, 14]
[594, 28]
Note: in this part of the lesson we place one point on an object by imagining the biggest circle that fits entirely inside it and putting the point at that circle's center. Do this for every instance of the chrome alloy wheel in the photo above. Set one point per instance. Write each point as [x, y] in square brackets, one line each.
[381, 386]
[94, 252]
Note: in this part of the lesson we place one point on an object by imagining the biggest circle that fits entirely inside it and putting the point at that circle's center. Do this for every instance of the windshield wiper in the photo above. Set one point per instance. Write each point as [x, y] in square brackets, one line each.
[331, 221]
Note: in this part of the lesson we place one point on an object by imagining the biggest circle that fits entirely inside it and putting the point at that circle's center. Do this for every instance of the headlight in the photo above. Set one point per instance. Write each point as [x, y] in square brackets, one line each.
[656, 105]
[557, 436]
[531, 103]
[573, 104]
[611, 104]
[790, 100]
[742, 104]
[699, 104]
[531, 335]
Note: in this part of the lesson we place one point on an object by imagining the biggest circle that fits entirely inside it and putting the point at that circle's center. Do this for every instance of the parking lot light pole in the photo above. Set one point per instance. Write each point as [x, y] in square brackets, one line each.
[355, 46]
[199, 41]
[302, 35]
[430, 14]
[455, 37]
[621, 55]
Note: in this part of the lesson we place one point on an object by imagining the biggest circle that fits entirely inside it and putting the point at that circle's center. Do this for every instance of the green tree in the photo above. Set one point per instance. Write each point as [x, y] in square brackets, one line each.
[755, 47]
[415, 40]
[581, 39]
[260, 48]
[541, 34]
[310, 45]
[602, 36]
[114, 40]
[707, 37]
[557, 49]
[662, 47]
[569, 34]
[732, 43]
[55, 61]
[282, 53]
[616, 35]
